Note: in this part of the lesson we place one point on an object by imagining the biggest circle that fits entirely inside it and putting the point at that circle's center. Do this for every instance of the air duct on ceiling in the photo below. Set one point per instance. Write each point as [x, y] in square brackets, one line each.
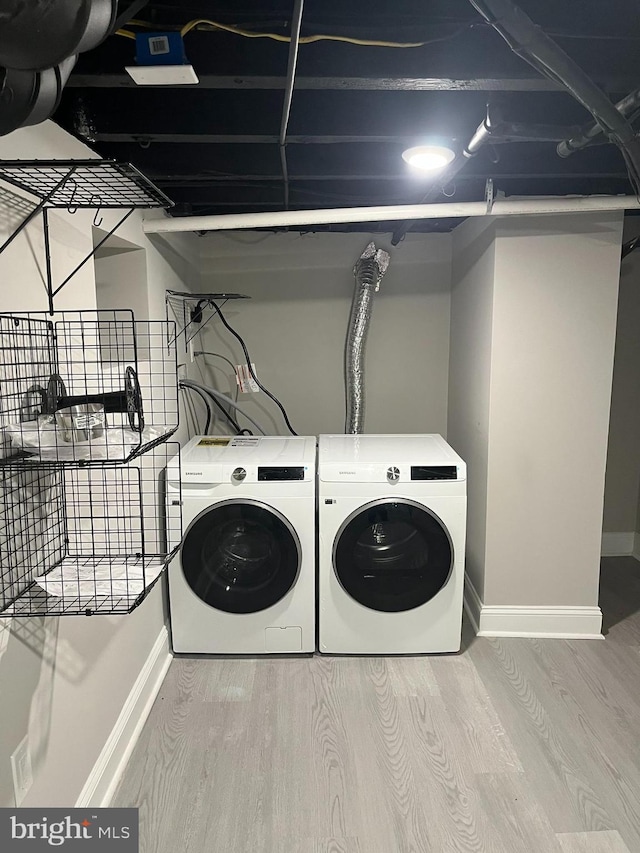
[30, 97]
[39, 45]
[35, 36]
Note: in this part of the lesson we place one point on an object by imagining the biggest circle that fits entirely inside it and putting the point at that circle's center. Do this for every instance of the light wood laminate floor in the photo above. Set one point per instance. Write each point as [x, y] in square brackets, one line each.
[513, 746]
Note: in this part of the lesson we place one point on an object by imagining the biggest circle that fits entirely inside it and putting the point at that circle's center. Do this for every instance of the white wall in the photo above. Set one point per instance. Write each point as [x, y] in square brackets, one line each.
[555, 299]
[65, 680]
[295, 325]
[622, 483]
[543, 429]
[121, 277]
[472, 285]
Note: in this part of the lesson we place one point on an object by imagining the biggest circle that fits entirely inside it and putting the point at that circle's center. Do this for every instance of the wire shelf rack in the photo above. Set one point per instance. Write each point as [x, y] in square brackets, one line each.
[186, 309]
[84, 183]
[74, 184]
[86, 388]
[86, 541]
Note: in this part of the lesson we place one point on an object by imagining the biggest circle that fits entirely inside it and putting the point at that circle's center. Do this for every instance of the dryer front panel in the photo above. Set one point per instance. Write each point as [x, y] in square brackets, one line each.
[240, 556]
[392, 555]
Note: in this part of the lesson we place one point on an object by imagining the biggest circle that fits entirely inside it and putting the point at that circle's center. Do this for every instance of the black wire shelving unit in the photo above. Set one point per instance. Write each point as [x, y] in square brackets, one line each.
[78, 184]
[88, 403]
[85, 387]
[87, 540]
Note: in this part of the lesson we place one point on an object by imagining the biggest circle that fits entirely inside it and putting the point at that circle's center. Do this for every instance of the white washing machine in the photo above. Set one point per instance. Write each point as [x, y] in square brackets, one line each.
[392, 526]
[243, 580]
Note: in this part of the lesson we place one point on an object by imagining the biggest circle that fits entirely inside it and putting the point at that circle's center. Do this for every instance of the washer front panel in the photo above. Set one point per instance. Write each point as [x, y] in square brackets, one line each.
[240, 556]
[393, 555]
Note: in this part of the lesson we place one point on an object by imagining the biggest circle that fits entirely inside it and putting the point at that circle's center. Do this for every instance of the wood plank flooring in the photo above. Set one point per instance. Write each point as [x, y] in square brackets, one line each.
[513, 746]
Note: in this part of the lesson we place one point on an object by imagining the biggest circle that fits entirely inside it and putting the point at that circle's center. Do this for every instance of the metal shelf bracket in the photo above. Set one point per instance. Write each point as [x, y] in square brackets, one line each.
[73, 184]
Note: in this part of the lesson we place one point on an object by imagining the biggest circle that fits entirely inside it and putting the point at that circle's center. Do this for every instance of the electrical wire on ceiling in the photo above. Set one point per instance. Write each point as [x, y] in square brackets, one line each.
[217, 25]
[376, 43]
[468, 25]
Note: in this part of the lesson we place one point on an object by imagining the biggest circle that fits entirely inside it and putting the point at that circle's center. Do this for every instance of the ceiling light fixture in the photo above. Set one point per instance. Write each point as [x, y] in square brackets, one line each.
[428, 158]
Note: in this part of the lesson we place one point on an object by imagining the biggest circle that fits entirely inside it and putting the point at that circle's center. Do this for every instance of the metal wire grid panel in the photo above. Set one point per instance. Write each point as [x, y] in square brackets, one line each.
[85, 387]
[186, 309]
[84, 183]
[85, 541]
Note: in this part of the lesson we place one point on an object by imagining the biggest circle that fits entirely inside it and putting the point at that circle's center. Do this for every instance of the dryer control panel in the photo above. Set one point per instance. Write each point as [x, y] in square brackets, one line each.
[279, 474]
[396, 474]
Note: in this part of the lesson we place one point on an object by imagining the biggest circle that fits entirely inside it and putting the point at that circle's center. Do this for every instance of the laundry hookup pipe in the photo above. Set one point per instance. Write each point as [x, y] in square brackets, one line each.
[368, 271]
[188, 383]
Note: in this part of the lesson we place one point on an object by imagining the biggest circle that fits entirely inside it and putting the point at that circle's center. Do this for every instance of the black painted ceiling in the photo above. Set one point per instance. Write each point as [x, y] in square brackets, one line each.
[213, 147]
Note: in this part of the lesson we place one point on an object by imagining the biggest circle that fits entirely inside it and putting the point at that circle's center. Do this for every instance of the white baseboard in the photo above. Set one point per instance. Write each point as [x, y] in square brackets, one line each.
[472, 603]
[618, 544]
[568, 623]
[636, 546]
[103, 779]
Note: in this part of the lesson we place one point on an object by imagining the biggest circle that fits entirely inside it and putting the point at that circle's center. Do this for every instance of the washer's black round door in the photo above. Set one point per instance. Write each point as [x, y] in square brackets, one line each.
[393, 555]
[240, 556]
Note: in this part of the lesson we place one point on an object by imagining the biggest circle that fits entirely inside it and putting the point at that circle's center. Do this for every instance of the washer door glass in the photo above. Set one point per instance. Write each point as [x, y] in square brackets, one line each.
[240, 556]
[393, 555]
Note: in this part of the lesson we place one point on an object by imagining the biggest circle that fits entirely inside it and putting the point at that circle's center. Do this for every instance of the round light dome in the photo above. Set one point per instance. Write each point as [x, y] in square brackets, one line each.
[428, 158]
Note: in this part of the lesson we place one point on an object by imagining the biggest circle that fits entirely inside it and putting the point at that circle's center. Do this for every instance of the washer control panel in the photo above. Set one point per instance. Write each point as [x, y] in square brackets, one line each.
[434, 472]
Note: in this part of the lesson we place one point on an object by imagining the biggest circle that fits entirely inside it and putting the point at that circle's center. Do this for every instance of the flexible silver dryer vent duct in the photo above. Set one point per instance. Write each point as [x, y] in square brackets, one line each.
[368, 272]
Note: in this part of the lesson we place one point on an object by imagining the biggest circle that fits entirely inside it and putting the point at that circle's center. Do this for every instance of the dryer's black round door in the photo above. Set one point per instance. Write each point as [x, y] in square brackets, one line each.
[240, 556]
[393, 555]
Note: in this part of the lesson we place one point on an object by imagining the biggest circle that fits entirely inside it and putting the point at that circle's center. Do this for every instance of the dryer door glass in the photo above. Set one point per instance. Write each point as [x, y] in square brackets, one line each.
[240, 556]
[393, 555]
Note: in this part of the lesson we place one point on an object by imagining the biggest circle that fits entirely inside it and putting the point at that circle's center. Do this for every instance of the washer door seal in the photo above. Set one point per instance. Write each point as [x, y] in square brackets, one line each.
[240, 556]
[393, 555]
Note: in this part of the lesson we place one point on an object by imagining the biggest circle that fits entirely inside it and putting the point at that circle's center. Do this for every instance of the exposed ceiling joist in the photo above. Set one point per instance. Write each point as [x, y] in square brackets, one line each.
[363, 84]
[356, 107]
[245, 139]
[204, 179]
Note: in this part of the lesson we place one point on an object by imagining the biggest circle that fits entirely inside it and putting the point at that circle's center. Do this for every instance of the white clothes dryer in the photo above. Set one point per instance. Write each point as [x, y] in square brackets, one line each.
[392, 527]
[243, 579]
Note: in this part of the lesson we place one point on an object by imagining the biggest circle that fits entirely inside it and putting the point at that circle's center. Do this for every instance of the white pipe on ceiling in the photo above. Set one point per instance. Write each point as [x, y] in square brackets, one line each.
[283, 218]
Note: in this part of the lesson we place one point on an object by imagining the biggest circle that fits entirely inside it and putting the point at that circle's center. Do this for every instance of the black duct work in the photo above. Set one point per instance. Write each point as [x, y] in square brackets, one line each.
[528, 41]
[39, 46]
